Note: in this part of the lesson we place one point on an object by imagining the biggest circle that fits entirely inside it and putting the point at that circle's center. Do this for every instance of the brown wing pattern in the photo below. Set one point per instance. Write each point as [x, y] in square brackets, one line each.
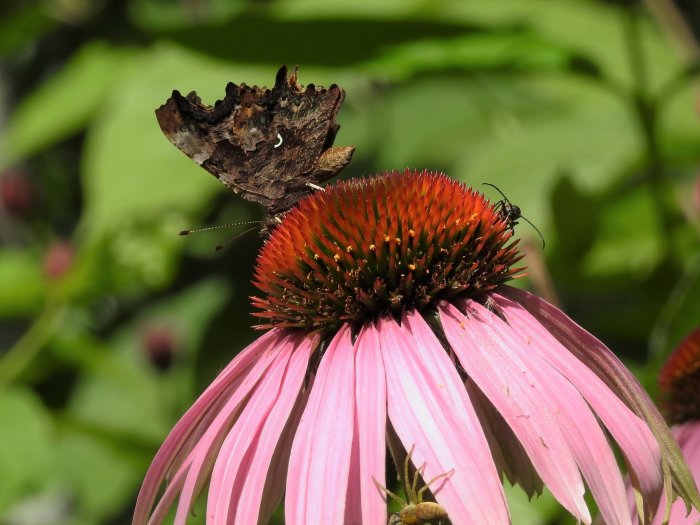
[267, 145]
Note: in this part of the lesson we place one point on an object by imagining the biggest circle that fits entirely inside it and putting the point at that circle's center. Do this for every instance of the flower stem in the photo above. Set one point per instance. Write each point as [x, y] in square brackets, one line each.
[645, 106]
[20, 356]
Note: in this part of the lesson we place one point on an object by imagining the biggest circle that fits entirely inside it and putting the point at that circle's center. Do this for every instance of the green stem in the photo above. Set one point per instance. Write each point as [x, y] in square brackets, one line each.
[646, 113]
[20, 356]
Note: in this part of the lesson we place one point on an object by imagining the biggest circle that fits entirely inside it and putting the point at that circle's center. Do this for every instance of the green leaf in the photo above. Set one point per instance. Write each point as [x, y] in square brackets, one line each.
[130, 170]
[19, 28]
[576, 219]
[571, 126]
[65, 103]
[629, 240]
[101, 476]
[26, 451]
[518, 133]
[22, 283]
[353, 40]
[164, 14]
[121, 399]
[491, 51]
[593, 29]
[144, 255]
[541, 509]
[389, 9]
[121, 393]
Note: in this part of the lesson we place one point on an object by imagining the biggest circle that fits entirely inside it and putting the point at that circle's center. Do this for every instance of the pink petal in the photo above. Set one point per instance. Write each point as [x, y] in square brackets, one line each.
[317, 479]
[512, 387]
[581, 430]
[204, 455]
[370, 411]
[188, 424]
[370, 429]
[509, 455]
[631, 433]
[169, 496]
[247, 498]
[353, 497]
[598, 358]
[431, 412]
[275, 483]
[233, 457]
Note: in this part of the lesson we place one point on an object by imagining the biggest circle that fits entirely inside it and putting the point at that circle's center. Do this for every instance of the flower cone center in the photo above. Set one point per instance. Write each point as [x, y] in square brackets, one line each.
[363, 247]
[680, 380]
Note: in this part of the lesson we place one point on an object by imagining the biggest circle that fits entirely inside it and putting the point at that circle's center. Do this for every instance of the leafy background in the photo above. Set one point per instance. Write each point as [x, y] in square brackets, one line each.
[584, 113]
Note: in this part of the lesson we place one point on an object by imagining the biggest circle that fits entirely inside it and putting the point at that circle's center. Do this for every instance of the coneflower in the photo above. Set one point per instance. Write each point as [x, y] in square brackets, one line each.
[679, 380]
[388, 321]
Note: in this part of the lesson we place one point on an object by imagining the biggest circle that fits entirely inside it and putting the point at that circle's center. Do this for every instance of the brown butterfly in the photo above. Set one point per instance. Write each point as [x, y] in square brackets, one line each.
[270, 146]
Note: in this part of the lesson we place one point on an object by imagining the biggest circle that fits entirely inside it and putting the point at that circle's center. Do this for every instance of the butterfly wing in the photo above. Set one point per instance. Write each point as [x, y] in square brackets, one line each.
[267, 145]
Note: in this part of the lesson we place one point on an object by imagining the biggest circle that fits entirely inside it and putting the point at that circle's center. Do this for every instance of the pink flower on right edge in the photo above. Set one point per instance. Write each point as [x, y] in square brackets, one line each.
[679, 379]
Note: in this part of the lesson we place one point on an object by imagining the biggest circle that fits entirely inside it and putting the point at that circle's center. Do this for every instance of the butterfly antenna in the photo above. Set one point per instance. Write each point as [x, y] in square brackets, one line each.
[497, 189]
[536, 229]
[224, 245]
[218, 227]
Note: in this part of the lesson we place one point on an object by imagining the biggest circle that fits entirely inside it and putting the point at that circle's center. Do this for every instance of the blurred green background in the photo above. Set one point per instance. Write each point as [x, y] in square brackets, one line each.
[584, 113]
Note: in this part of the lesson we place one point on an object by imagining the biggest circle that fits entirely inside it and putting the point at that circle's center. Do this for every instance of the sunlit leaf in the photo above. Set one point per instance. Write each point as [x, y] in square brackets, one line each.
[120, 394]
[481, 51]
[100, 476]
[390, 9]
[65, 102]
[22, 283]
[130, 169]
[534, 511]
[569, 126]
[25, 445]
[630, 239]
[164, 14]
[594, 29]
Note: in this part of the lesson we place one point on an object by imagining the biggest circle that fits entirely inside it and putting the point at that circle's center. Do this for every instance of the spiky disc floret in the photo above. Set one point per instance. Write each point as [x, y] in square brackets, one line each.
[680, 380]
[367, 246]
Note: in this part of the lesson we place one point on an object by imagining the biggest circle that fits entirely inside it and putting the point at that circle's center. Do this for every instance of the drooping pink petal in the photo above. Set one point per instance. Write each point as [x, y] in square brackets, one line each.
[233, 457]
[169, 495]
[509, 455]
[431, 413]
[188, 424]
[676, 475]
[580, 428]
[370, 429]
[688, 437]
[320, 459]
[353, 497]
[204, 455]
[636, 441]
[279, 464]
[246, 498]
[510, 385]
